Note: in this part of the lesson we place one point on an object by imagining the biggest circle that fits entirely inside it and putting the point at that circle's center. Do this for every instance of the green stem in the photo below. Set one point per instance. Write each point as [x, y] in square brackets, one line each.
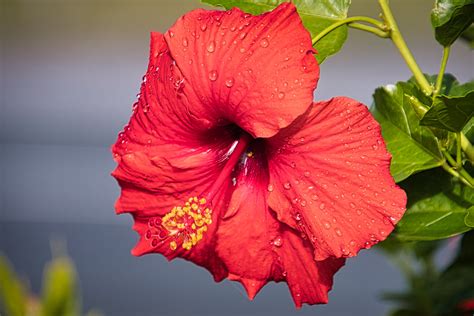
[369, 29]
[463, 174]
[467, 147]
[442, 69]
[378, 24]
[458, 151]
[399, 42]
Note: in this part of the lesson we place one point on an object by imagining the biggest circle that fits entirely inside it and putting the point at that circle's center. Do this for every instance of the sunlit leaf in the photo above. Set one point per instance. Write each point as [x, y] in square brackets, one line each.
[437, 206]
[414, 148]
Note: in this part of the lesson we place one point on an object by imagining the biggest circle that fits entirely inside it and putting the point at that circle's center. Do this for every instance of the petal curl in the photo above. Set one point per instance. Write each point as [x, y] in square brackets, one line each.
[330, 178]
[255, 71]
[256, 248]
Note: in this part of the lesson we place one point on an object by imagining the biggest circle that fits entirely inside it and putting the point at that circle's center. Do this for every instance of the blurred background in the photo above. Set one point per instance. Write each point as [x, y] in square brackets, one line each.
[70, 71]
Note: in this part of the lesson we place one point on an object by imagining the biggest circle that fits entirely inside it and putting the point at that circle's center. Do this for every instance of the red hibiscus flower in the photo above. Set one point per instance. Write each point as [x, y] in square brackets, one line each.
[227, 162]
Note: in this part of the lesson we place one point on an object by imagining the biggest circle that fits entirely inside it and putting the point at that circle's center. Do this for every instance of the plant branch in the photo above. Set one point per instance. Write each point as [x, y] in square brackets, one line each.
[369, 29]
[463, 175]
[400, 43]
[467, 147]
[442, 69]
[379, 26]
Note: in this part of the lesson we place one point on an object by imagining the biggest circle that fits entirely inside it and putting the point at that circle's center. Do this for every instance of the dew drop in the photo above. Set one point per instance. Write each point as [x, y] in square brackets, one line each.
[352, 205]
[338, 232]
[229, 82]
[270, 188]
[242, 35]
[293, 164]
[307, 174]
[326, 225]
[284, 274]
[242, 50]
[264, 43]
[203, 27]
[352, 243]
[278, 241]
[185, 42]
[298, 216]
[314, 197]
[211, 47]
[287, 185]
[322, 206]
[213, 75]
[281, 95]
[303, 203]
[171, 34]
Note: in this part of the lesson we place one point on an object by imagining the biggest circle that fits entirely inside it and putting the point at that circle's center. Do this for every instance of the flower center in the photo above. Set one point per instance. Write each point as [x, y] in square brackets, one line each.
[185, 225]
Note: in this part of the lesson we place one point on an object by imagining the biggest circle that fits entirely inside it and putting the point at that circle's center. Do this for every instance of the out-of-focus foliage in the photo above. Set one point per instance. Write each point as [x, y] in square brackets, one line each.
[59, 296]
[432, 292]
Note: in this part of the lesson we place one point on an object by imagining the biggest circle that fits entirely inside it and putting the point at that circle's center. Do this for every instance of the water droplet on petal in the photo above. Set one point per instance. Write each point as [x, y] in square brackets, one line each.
[278, 241]
[211, 46]
[171, 34]
[264, 43]
[287, 185]
[213, 75]
[185, 42]
[326, 225]
[229, 82]
[322, 206]
[281, 95]
[203, 27]
[307, 174]
[242, 35]
[270, 188]
[338, 232]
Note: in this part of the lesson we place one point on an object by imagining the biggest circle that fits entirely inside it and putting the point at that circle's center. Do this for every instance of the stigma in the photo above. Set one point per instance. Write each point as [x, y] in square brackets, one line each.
[184, 226]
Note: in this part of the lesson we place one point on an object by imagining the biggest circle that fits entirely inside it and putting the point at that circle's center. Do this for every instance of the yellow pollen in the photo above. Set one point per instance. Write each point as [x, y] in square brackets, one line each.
[186, 224]
[250, 154]
[173, 245]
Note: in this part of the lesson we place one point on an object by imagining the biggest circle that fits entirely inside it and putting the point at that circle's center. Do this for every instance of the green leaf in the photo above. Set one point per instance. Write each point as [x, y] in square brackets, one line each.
[12, 291]
[413, 147]
[437, 206]
[469, 219]
[60, 294]
[450, 18]
[316, 15]
[450, 113]
[468, 36]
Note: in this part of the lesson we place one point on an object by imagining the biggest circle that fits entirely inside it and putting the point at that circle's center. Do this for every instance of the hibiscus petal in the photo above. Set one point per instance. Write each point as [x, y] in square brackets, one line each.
[255, 71]
[165, 156]
[309, 281]
[256, 248]
[330, 179]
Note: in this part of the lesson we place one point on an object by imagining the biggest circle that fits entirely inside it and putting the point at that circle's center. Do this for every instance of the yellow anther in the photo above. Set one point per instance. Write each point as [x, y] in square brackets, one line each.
[173, 245]
[250, 154]
[186, 224]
